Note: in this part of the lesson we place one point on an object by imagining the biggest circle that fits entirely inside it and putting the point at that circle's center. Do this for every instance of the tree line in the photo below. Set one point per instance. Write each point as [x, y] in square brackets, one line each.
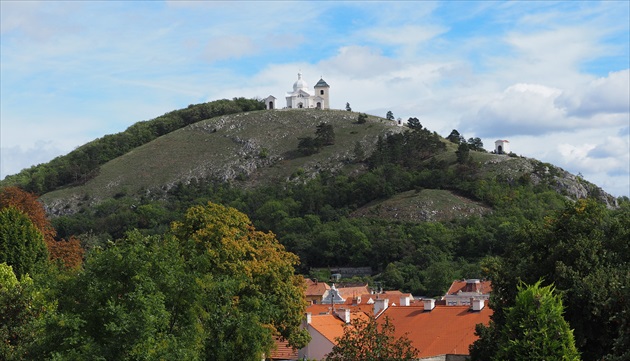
[83, 163]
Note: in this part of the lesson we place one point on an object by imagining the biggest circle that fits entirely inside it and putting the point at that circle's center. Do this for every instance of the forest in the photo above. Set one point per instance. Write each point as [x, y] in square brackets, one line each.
[193, 271]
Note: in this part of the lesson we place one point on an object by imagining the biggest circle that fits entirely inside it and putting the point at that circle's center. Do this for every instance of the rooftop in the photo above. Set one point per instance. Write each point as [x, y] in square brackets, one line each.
[443, 330]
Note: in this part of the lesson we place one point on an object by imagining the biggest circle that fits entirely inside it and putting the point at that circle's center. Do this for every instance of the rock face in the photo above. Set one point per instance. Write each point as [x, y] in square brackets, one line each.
[518, 169]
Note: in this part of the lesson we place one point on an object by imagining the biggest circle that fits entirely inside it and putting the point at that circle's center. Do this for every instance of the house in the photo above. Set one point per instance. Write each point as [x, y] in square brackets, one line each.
[324, 329]
[438, 332]
[282, 351]
[316, 291]
[461, 291]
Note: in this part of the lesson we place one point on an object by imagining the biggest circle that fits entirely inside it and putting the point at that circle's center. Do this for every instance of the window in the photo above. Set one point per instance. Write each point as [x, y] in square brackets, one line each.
[321, 92]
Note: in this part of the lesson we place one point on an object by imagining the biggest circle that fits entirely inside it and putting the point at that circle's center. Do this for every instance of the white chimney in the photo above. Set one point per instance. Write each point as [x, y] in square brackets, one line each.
[346, 315]
[380, 305]
[429, 304]
[404, 301]
[308, 318]
[477, 305]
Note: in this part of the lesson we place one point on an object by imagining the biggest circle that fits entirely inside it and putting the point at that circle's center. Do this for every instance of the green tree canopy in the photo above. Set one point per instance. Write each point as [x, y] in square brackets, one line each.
[21, 243]
[221, 244]
[535, 328]
[22, 310]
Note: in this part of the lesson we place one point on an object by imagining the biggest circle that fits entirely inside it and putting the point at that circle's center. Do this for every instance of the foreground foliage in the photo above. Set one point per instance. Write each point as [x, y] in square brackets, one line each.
[584, 251]
[212, 289]
[535, 328]
[365, 339]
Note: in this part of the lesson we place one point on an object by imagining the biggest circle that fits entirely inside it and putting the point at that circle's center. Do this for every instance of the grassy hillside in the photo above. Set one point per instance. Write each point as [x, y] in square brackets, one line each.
[250, 148]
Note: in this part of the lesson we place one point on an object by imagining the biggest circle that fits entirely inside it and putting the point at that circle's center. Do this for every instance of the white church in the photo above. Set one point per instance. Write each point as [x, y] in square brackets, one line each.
[303, 97]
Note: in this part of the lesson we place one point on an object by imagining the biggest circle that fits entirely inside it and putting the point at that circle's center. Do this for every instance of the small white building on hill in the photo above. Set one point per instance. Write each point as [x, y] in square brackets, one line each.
[302, 97]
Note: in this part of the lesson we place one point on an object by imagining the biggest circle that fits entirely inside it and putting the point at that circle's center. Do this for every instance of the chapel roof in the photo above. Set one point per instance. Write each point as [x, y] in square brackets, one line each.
[322, 83]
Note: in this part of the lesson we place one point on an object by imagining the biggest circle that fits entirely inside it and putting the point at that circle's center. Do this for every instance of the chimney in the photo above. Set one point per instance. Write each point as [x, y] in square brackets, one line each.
[344, 314]
[477, 305]
[404, 301]
[380, 305]
[308, 318]
[429, 304]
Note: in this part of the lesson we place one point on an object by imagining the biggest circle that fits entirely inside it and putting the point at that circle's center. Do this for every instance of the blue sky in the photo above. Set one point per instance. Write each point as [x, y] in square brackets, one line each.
[551, 77]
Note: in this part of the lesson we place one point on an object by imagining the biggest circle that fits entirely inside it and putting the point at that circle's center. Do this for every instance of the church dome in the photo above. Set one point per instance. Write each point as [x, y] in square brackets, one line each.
[300, 84]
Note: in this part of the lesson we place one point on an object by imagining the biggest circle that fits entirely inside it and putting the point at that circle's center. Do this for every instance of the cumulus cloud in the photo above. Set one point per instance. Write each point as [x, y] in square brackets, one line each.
[609, 95]
[522, 109]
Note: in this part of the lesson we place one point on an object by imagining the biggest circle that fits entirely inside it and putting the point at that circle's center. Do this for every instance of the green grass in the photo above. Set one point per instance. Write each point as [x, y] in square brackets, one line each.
[251, 148]
[421, 206]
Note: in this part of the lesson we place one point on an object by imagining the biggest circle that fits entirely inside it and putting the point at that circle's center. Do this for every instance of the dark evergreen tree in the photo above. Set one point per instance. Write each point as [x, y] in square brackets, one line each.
[414, 123]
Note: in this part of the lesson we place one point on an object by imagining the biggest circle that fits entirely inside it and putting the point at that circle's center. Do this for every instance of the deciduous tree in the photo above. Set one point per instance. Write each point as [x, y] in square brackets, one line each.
[366, 339]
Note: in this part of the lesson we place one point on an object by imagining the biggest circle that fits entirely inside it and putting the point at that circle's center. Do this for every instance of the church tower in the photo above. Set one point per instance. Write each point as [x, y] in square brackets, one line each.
[322, 90]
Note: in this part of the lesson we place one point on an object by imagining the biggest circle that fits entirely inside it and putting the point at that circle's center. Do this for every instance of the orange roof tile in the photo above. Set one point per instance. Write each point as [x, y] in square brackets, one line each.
[331, 326]
[444, 330]
[315, 288]
[484, 287]
[349, 292]
[283, 351]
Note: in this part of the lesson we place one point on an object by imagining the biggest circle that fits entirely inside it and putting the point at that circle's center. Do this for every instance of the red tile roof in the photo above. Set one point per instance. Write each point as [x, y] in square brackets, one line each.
[444, 330]
[483, 287]
[349, 292]
[283, 351]
[314, 288]
[331, 326]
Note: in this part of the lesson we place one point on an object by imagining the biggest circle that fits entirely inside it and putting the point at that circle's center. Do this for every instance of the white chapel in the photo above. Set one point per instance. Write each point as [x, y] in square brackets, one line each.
[303, 97]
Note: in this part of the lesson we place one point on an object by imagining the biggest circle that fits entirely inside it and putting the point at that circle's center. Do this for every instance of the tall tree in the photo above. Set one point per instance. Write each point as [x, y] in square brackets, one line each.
[584, 251]
[348, 107]
[325, 134]
[68, 252]
[22, 311]
[21, 243]
[366, 339]
[476, 144]
[414, 123]
[389, 115]
[252, 266]
[535, 328]
[455, 137]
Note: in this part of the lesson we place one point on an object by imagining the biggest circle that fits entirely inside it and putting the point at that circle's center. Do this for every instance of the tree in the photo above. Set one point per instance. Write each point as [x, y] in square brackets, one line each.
[21, 243]
[366, 339]
[455, 137]
[68, 252]
[583, 250]
[255, 275]
[133, 300]
[414, 123]
[325, 134]
[348, 107]
[476, 144]
[362, 119]
[22, 309]
[308, 145]
[462, 153]
[535, 328]
[389, 115]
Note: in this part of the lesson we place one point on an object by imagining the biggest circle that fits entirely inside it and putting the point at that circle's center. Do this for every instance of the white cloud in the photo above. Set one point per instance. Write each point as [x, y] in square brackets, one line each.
[609, 95]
